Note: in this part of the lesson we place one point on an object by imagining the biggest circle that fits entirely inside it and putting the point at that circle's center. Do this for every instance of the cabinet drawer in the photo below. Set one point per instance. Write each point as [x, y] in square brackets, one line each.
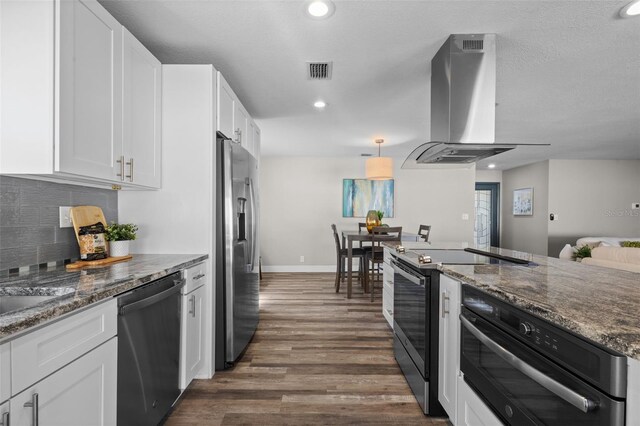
[40, 353]
[196, 276]
[5, 372]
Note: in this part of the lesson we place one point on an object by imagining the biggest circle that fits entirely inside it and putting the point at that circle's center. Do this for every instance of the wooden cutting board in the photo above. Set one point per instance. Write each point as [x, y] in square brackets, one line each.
[100, 262]
[86, 215]
[89, 215]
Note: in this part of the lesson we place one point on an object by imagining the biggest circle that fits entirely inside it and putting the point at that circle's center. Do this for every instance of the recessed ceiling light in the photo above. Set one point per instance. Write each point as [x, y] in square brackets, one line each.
[320, 9]
[632, 9]
[319, 104]
[491, 166]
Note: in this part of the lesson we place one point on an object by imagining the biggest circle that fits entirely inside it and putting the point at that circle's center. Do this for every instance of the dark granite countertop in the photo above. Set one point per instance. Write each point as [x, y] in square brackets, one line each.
[80, 288]
[601, 304]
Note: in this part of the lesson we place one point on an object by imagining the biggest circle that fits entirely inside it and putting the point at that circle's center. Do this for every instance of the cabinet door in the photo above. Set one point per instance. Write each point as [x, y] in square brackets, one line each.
[142, 111]
[4, 414]
[256, 142]
[226, 101]
[89, 115]
[82, 393]
[448, 344]
[250, 136]
[240, 124]
[192, 354]
[472, 411]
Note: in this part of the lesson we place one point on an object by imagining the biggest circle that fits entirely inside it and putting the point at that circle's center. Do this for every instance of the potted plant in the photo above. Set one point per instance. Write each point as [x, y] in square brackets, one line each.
[119, 236]
[582, 252]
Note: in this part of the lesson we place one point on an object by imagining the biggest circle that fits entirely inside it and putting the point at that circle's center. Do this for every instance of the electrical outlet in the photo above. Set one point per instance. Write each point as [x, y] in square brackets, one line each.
[301, 259]
[65, 217]
[635, 206]
[465, 216]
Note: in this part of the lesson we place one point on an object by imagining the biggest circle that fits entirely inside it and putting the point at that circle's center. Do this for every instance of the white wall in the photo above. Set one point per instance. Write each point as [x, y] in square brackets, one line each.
[592, 198]
[302, 196]
[526, 233]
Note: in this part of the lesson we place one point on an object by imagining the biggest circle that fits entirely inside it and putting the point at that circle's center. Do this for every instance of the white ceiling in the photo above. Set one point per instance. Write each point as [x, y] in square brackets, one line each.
[568, 71]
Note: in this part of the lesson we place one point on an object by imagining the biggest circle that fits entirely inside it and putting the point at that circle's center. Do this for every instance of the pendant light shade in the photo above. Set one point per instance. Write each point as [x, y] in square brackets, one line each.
[379, 168]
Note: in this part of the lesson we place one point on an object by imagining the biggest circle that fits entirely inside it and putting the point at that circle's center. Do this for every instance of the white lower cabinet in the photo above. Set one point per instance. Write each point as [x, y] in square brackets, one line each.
[4, 414]
[472, 411]
[82, 393]
[449, 344]
[5, 372]
[192, 336]
[387, 288]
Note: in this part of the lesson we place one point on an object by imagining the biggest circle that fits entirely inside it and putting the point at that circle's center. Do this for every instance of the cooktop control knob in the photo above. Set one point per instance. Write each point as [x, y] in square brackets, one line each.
[525, 328]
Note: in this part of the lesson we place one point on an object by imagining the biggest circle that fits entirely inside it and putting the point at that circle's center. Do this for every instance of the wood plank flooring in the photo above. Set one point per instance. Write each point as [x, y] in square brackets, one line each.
[316, 358]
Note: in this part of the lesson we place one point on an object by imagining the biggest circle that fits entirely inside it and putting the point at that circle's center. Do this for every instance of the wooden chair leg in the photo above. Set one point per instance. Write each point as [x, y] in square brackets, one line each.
[337, 274]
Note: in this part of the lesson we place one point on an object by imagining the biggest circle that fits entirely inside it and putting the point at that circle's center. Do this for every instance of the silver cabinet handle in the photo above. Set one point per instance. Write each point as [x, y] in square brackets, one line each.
[199, 277]
[5, 419]
[130, 164]
[121, 161]
[445, 299]
[192, 308]
[33, 404]
[580, 402]
[238, 133]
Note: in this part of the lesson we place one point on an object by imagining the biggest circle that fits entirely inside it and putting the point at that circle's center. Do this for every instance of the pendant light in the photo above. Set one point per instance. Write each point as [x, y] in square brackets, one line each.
[379, 168]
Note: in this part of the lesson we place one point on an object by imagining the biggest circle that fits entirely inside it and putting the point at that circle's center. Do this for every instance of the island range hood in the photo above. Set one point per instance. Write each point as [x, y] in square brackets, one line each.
[463, 98]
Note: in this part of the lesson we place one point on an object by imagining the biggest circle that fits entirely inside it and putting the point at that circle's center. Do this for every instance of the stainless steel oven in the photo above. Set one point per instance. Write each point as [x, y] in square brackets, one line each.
[531, 372]
[416, 331]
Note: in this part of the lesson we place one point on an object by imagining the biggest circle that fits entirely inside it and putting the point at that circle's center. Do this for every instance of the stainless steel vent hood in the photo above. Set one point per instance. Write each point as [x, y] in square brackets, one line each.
[463, 98]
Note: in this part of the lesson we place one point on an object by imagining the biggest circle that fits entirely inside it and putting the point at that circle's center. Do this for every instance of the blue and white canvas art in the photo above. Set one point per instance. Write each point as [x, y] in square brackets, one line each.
[361, 195]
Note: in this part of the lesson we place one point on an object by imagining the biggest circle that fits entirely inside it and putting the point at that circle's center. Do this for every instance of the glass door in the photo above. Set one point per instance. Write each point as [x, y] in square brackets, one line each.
[487, 225]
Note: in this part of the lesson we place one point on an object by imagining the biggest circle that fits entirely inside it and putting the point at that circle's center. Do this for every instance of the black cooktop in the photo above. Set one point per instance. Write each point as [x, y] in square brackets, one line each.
[457, 257]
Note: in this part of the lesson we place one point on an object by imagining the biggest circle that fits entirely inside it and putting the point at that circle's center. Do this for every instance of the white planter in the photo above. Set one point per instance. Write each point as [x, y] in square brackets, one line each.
[118, 248]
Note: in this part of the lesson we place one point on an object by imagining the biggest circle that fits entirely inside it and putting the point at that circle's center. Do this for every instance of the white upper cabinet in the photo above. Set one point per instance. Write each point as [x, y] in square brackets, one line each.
[240, 123]
[233, 120]
[141, 114]
[79, 93]
[226, 102]
[89, 53]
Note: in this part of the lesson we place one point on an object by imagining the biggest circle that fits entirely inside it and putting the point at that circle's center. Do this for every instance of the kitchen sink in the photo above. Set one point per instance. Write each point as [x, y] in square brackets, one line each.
[15, 303]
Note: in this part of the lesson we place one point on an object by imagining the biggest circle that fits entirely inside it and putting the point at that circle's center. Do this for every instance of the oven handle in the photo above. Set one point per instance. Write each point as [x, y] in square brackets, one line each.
[408, 275]
[580, 402]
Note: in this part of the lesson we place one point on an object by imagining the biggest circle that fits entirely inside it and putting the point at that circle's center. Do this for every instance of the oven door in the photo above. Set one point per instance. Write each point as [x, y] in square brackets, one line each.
[525, 388]
[410, 313]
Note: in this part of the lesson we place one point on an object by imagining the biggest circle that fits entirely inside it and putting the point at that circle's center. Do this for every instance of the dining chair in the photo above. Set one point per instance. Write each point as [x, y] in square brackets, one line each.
[341, 259]
[362, 226]
[424, 232]
[393, 235]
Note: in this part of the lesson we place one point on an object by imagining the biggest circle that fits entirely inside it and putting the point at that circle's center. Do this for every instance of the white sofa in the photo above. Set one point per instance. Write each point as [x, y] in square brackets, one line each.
[625, 258]
[607, 252]
[603, 241]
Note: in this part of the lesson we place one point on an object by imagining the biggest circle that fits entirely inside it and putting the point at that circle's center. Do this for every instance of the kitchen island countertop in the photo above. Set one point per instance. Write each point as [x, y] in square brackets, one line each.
[74, 290]
[598, 303]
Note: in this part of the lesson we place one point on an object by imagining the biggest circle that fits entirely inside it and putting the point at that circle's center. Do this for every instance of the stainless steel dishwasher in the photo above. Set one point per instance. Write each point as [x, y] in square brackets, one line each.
[149, 351]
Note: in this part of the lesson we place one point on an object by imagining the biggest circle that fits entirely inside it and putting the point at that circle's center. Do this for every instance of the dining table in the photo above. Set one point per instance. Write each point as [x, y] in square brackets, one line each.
[348, 238]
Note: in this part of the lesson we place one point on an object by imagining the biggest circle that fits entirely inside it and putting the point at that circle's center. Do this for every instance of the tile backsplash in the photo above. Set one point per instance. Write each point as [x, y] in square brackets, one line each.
[29, 224]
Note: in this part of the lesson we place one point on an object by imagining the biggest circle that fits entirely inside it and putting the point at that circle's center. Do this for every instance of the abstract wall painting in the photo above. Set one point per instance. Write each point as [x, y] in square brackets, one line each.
[361, 195]
[523, 202]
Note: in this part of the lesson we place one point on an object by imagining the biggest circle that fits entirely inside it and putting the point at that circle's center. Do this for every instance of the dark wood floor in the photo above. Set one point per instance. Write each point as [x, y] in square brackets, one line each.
[317, 358]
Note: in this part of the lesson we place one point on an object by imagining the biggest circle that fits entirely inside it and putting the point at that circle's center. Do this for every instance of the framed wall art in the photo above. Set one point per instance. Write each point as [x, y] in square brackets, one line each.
[523, 202]
[361, 195]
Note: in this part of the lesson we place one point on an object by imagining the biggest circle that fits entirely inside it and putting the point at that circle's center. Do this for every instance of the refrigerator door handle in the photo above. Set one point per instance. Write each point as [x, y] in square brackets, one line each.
[253, 222]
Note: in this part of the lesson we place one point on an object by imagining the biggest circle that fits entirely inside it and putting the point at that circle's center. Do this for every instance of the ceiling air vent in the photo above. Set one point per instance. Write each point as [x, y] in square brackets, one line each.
[473, 44]
[319, 70]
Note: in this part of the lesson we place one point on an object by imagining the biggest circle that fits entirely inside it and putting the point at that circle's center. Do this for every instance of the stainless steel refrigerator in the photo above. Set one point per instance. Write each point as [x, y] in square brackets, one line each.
[237, 273]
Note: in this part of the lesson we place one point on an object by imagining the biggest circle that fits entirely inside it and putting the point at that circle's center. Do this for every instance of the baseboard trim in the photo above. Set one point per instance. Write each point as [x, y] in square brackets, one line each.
[299, 268]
